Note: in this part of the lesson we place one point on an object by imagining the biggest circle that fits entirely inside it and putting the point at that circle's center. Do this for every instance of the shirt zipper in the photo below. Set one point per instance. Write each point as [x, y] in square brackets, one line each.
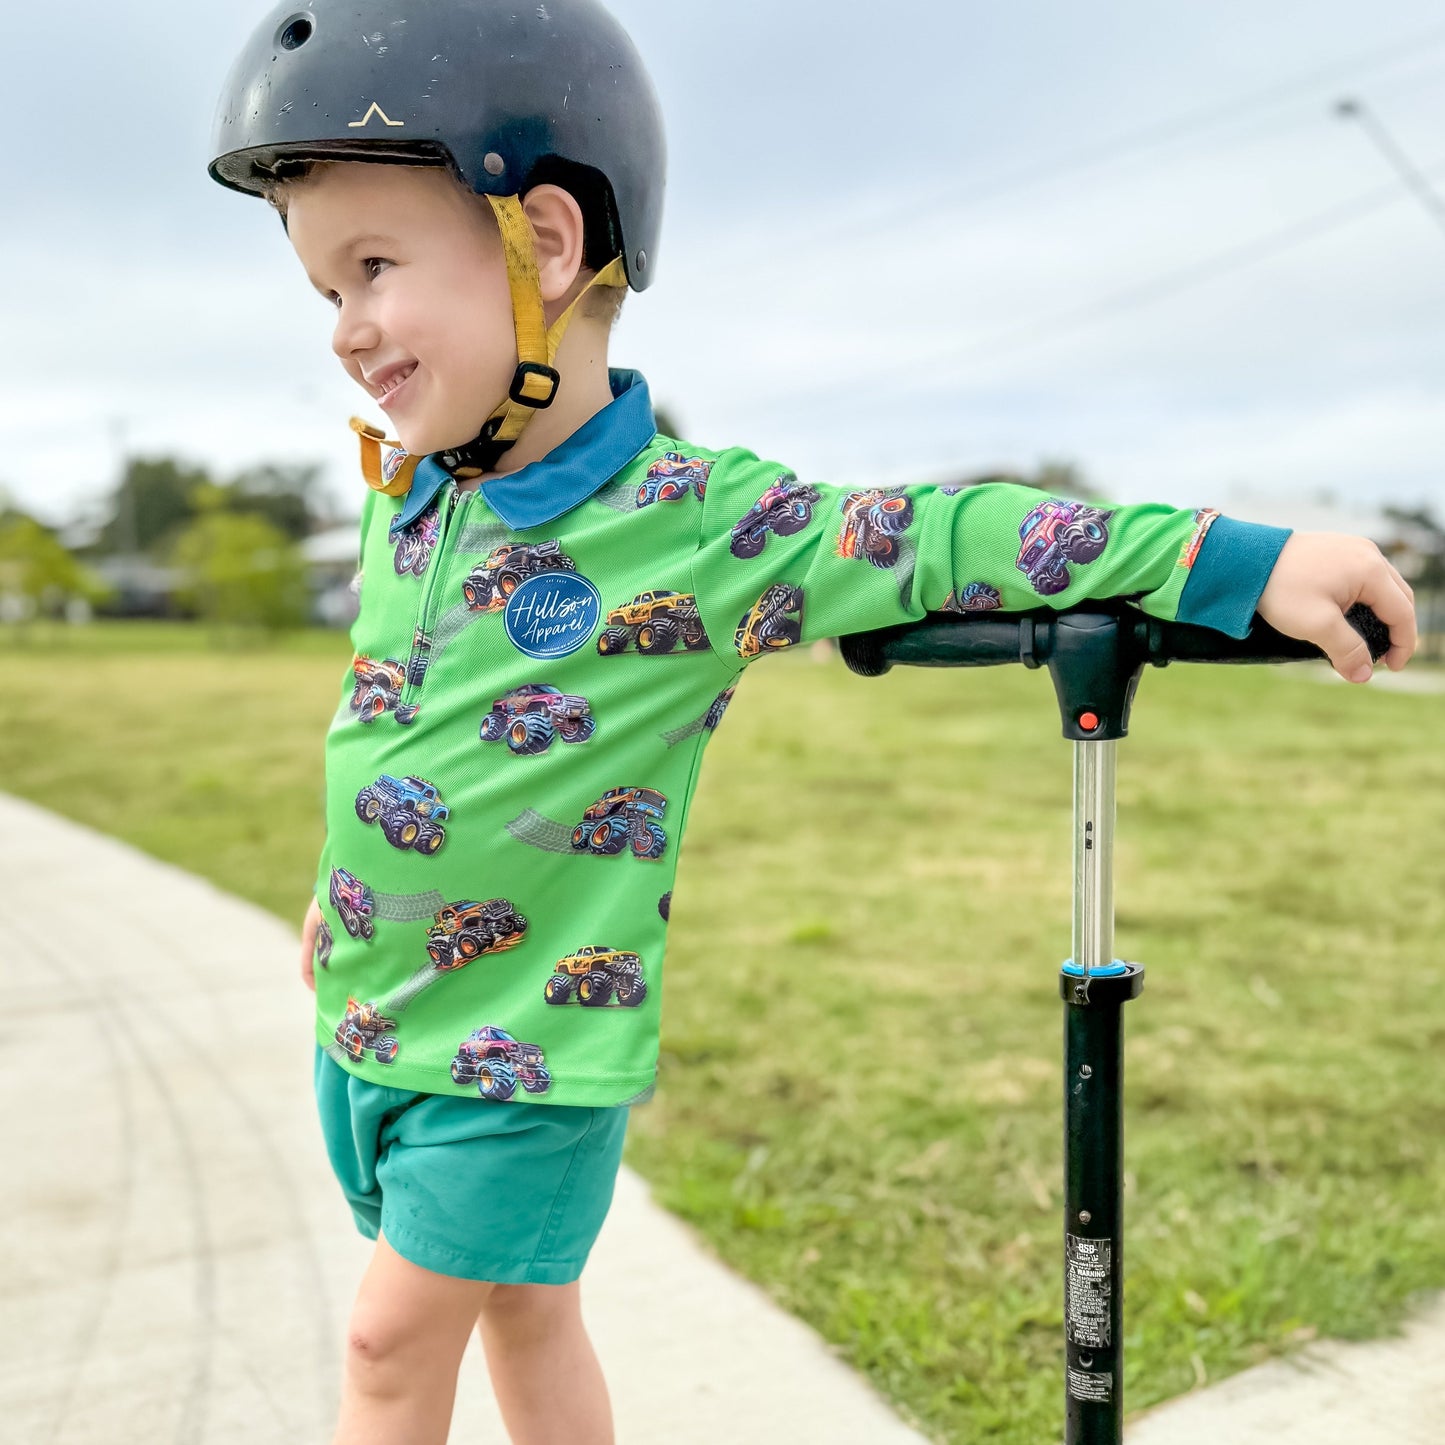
[450, 507]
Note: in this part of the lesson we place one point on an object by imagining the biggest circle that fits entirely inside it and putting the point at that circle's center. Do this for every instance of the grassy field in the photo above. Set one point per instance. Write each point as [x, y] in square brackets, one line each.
[859, 1101]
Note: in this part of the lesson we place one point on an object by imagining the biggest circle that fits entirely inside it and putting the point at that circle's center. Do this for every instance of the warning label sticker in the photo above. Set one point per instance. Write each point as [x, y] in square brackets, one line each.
[1087, 1290]
[1095, 1387]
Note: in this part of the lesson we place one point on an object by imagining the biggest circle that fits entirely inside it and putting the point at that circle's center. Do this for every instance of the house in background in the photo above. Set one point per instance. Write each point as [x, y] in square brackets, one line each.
[332, 558]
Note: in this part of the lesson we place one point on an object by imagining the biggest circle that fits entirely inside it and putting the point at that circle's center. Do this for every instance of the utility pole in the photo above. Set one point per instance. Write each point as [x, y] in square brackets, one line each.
[127, 531]
[1349, 108]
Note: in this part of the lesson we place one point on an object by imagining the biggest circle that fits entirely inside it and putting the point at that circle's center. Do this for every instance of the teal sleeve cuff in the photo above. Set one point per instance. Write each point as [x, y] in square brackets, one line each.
[1229, 575]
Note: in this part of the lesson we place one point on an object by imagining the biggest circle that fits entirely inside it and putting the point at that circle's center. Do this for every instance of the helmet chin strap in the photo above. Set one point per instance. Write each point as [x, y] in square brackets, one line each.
[536, 381]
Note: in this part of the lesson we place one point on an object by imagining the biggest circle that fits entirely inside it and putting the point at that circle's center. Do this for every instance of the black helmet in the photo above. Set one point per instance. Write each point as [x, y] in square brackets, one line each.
[509, 93]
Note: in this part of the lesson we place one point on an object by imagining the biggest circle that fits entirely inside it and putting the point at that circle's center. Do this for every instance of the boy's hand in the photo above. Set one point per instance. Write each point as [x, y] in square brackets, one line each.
[1318, 578]
[308, 945]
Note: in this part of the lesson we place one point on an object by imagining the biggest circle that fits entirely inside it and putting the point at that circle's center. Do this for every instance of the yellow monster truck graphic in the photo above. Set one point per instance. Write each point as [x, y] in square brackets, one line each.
[594, 974]
[654, 621]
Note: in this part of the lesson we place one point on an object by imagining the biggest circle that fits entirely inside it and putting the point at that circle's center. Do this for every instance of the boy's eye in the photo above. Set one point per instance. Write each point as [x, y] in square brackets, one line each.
[371, 264]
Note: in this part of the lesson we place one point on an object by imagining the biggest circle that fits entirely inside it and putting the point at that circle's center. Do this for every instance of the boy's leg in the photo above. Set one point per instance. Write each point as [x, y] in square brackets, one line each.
[544, 1372]
[404, 1344]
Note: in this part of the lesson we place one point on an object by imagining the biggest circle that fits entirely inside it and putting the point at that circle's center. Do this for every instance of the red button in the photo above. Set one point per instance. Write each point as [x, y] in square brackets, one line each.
[1089, 721]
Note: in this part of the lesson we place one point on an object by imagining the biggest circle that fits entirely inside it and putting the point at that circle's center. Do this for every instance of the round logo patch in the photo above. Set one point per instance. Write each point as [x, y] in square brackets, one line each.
[552, 614]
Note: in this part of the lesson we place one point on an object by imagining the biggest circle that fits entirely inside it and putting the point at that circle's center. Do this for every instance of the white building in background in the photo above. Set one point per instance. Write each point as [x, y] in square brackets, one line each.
[1406, 545]
[332, 558]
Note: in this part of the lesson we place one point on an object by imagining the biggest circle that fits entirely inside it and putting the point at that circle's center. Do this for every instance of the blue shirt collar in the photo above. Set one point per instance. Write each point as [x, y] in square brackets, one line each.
[570, 473]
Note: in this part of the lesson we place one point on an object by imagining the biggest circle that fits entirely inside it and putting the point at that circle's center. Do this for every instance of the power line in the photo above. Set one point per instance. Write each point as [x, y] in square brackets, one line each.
[1161, 288]
[1152, 137]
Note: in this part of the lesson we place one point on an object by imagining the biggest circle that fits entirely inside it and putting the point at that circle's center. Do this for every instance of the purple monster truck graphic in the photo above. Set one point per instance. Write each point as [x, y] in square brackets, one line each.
[496, 1062]
[1056, 534]
[353, 902]
[785, 508]
[671, 477]
[531, 717]
[414, 544]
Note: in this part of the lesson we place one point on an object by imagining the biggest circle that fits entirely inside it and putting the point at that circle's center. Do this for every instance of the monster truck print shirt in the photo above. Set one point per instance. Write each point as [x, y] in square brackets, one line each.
[539, 665]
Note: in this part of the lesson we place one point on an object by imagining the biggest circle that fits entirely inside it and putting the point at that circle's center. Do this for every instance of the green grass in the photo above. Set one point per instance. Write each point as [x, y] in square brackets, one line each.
[859, 1101]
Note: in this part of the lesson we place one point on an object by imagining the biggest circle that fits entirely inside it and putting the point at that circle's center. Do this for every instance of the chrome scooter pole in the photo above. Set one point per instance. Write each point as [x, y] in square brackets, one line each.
[1094, 987]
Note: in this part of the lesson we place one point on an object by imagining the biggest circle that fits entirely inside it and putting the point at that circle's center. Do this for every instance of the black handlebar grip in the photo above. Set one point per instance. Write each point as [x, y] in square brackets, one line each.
[996, 639]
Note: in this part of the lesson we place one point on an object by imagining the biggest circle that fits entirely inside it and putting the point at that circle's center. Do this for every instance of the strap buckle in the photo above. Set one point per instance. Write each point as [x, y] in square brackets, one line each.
[524, 393]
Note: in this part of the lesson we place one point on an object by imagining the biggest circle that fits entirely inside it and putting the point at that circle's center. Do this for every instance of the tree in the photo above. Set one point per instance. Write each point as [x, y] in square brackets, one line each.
[1058, 479]
[34, 566]
[151, 504]
[288, 497]
[239, 569]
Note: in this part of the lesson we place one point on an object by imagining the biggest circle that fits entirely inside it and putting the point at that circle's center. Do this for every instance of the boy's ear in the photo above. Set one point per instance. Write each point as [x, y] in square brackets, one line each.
[558, 229]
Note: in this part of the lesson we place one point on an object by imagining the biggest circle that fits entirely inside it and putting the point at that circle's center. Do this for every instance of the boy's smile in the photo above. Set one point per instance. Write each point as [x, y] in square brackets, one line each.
[424, 313]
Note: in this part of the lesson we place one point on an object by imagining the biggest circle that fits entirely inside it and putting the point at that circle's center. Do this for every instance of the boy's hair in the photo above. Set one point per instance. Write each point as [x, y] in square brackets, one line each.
[602, 303]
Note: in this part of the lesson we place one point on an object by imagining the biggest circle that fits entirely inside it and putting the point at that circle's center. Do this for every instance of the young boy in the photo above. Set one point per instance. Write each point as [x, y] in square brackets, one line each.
[556, 606]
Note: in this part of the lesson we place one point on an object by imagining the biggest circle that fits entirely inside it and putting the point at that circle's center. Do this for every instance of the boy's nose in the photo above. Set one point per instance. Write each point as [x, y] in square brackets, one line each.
[353, 334]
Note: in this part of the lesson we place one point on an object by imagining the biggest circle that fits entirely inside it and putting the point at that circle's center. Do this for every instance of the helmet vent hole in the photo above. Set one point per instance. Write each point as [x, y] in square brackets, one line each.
[295, 32]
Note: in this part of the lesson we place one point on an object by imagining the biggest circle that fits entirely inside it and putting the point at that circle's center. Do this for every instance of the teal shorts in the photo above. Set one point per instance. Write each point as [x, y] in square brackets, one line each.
[472, 1188]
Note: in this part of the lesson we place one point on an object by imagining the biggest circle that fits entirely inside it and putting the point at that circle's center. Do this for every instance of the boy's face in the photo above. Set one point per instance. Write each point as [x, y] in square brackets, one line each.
[414, 267]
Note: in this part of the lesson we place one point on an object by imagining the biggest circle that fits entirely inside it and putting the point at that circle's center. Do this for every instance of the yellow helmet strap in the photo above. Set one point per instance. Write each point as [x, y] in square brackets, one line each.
[536, 382]
[534, 385]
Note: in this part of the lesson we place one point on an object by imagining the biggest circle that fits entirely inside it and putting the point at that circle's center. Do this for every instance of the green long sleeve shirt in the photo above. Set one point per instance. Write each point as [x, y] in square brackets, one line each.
[539, 666]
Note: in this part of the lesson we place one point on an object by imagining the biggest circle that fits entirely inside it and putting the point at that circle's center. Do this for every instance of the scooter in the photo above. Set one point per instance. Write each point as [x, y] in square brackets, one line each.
[1096, 656]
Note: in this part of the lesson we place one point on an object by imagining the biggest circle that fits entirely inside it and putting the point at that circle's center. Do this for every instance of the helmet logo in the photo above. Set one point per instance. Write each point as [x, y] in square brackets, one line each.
[366, 119]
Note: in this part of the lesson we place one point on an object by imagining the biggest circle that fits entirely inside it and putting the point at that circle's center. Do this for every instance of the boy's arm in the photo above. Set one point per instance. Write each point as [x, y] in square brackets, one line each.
[781, 561]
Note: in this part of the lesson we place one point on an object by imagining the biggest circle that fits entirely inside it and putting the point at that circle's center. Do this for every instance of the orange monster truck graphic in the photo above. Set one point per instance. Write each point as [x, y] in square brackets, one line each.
[622, 816]
[365, 1029]
[873, 521]
[594, 974]
[378, 690]
[654, 621]
[490, 585]
[466, 930]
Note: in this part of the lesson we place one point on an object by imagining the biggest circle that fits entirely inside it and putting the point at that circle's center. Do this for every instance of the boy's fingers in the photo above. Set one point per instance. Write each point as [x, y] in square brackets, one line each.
[1348, 652]
[1392, 601]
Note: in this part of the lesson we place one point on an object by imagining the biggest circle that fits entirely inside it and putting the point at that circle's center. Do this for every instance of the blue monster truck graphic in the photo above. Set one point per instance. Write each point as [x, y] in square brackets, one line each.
[873, 521]
[785, 508]
[594, 974]
[465, 930]
[619, 817]
[354, 904]
[531, 717]
[496, 1062]
[415, 543]
[493, 582]
[365, 1029]
[378, 690]
[654, 621]
[1055, 534]
[770, 624]
[976, 597]
[410, 811]
[670, 478]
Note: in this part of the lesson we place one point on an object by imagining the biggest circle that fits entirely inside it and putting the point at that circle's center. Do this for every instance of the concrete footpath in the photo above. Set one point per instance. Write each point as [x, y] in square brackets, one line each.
[180, 1264]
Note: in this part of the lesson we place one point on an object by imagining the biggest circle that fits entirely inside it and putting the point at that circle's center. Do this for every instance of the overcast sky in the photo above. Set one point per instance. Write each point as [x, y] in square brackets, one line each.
[902, 242]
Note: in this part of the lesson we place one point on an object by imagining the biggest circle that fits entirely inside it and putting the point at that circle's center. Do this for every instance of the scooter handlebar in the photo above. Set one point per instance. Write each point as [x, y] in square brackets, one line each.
[996, 639]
